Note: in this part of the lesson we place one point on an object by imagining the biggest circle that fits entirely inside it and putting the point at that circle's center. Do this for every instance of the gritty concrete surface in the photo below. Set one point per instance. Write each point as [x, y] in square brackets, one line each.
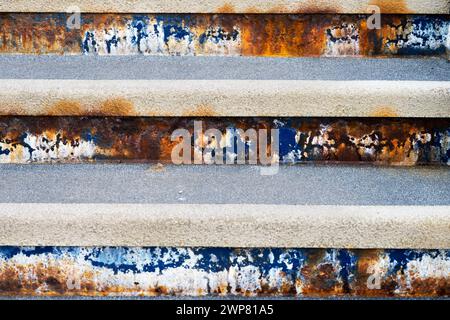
[350, 185]
[224, 206]
[229, 6]
[220, 68]
[278, 98]
[226, 225]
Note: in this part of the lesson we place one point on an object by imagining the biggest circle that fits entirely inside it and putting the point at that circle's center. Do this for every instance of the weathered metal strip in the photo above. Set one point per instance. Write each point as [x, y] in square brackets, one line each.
[224, 34]
[131, 271]
[85, 139]
[230, 6]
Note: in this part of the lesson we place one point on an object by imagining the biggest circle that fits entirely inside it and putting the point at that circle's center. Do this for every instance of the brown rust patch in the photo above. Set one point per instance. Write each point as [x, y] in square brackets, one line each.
[284, 35]
[65, 108]
[226, 8]
[26, 33]
[386, 112]
[201, 111]
[389, 6]
[375, 140]
[252, 10]
[116, 107]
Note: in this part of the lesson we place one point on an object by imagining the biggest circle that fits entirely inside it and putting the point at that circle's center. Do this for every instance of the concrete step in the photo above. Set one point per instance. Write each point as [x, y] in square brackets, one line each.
[230, 6]
[86, 85]
[344, 185]
[214, 206]
[225, 98]
[139, 67]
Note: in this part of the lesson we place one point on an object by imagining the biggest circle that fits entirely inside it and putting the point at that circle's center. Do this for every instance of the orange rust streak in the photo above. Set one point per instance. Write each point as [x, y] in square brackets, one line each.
[66, 107]
[226, 8]
[387, 112]
[389, 6]
[201, 111]
[117, 107]
[279, 35]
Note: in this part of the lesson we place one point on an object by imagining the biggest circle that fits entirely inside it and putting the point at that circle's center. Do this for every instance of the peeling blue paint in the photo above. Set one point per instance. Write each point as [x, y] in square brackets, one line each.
[113, 271]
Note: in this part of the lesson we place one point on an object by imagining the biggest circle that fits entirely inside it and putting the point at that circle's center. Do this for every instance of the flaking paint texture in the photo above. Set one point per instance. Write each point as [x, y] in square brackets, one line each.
[286, 35]
[162, 271]
[149, 139]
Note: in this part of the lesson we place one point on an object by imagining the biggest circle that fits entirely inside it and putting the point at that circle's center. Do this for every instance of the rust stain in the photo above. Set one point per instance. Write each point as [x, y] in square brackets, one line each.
[376, 140]
[273, 36]
[21, 33]
[252, 10]
[116, 107]
[53, 271]
[226, 8]
[65, 108]
[389, 6]
[201, 111]
[385, 111]
[227, 33]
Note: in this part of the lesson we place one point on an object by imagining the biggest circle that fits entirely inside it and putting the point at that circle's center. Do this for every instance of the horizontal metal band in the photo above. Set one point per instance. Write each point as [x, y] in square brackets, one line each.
[225, 98]
[225, 225]
[225, 34]
[230, 6]
[218, 272]
[261, 140]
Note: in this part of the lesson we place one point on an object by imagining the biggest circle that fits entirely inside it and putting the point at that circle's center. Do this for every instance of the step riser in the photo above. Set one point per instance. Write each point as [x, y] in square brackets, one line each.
[87, 139]
[224, 35]
[168, 271]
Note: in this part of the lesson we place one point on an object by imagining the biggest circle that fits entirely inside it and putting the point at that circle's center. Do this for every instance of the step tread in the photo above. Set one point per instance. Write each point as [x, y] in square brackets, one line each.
[216, 68]
[226, 184]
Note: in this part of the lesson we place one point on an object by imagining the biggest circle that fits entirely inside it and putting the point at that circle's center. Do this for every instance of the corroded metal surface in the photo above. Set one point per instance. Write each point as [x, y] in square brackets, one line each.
[85, 139]
[123, 271]
[224, 34]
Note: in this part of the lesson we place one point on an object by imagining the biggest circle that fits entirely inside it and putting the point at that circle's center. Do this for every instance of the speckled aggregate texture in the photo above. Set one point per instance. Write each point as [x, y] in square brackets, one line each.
[228, 225]
[246, 98]
[229, 6]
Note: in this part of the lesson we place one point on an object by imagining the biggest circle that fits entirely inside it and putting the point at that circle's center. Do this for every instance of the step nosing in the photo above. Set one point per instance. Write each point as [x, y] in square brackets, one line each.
[228, 6]
[221, 98]
[226, 225]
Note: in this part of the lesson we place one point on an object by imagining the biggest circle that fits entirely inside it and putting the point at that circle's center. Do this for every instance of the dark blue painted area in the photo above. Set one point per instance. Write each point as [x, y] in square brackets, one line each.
[400, 258]
[426, 29]
[287, 142]
[217, 35]
[89, 41]
[347, 261]
[289, 261]
[6, 151]
[207, 259]
[438, 138]
[139, 24]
